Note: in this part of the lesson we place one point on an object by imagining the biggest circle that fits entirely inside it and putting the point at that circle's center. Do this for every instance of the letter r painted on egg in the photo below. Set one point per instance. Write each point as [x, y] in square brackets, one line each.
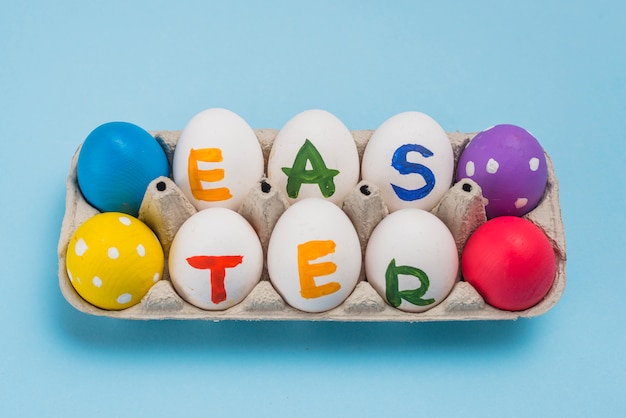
[217, 265]
[399, 162]
[395, 295]
[307, 252]
[198, 176]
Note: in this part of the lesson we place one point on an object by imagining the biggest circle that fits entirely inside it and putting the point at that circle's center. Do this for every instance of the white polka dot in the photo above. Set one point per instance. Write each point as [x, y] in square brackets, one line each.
[492, 166]
[125, 220]
[470, 169]
[77, 280]
[141, 250]
[156, 277]
[69, 275]
[80, 247]
[521, 202]
[113, 253]
[534, 164]
[485, 201]
[124, 298]
[97, 281]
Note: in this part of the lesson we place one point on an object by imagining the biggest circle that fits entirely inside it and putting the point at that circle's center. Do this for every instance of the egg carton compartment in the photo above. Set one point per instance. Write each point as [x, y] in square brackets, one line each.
[164, 209]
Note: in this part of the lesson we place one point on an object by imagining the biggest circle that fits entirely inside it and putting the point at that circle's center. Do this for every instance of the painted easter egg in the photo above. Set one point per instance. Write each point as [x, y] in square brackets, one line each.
[409, 157]
[113, 259]
[314, 155]
[217, 160]
[411, 260]
[116, 163]
[314, 255]
[215, 259]
[510, 262]
[509, 165]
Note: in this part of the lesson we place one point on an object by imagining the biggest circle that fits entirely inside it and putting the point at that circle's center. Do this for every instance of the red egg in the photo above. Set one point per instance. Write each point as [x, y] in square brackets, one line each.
[510, 262]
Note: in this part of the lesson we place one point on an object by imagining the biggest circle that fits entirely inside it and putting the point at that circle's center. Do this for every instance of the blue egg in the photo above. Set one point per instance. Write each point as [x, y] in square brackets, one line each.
[117, 162]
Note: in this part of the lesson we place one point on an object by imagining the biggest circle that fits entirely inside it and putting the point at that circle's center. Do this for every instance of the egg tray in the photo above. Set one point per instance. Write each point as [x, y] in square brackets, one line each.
[461, 209]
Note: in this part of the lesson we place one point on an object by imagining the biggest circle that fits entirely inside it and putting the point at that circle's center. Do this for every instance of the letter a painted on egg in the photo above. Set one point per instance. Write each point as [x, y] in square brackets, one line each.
[319, 173]
[217, 265]
[395, 295]
[400, 163]
[197, 176]
[312, 250]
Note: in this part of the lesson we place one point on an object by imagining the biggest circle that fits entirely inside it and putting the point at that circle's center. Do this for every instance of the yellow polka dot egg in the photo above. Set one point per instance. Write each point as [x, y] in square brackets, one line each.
[113, 259]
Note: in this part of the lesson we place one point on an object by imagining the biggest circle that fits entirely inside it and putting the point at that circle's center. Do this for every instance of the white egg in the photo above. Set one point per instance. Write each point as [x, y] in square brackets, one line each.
[215, 259]
[314, 256]
[411, 260]
[217, 159]
[409, 157]
[314, 155]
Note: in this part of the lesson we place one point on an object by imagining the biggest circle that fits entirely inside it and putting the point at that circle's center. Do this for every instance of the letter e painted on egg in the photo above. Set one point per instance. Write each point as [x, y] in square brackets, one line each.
[217, 265]
[399, 162]
[198, 176]
[307, 252]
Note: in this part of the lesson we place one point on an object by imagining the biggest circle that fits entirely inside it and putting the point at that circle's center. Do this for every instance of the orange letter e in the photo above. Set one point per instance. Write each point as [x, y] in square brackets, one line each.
[197, 176]
[312, 250]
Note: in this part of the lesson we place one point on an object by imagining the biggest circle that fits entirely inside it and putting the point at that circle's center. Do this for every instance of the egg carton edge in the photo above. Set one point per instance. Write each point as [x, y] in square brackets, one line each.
[363, 305]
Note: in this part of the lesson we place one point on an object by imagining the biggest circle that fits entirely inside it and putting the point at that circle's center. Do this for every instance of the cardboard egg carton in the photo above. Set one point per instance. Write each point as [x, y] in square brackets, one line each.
[165, 208]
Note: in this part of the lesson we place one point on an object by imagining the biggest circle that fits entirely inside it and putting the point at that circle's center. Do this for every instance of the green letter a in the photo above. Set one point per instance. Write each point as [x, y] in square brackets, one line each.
[395, 295]
[318, 174]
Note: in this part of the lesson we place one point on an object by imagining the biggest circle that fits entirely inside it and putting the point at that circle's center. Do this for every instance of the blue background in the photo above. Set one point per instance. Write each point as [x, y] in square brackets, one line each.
[556, 68]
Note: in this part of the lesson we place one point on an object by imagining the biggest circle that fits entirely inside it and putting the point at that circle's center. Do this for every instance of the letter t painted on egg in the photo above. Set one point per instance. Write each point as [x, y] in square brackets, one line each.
[217, 265]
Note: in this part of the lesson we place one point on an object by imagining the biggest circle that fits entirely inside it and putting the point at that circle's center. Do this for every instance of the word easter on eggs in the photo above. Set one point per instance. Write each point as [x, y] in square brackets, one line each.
[316, 255]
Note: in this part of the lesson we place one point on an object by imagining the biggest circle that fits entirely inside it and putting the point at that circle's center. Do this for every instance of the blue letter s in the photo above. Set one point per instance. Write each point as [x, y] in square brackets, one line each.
[400, 163]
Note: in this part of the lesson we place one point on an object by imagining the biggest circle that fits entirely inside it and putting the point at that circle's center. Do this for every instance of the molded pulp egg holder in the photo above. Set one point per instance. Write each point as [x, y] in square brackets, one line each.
[461, 210]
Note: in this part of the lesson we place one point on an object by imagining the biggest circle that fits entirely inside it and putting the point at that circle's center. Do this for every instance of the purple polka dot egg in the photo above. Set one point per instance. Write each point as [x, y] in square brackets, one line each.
[509, 165]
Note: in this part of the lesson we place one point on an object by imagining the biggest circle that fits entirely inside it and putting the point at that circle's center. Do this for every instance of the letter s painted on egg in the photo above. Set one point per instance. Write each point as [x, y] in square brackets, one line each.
[400, 163]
